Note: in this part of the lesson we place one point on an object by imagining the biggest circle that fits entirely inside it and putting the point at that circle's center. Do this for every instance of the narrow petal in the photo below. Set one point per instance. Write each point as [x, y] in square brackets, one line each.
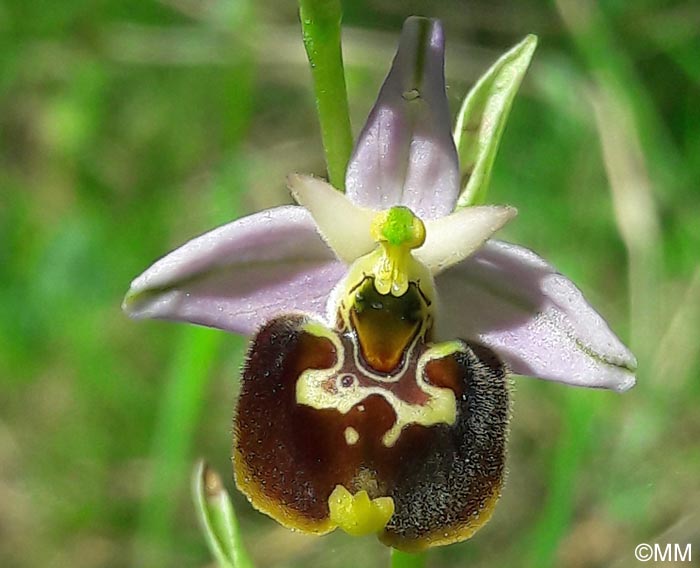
[405, 154]
[240, 275]
[343, 225]
[538, 322]
[451, 239]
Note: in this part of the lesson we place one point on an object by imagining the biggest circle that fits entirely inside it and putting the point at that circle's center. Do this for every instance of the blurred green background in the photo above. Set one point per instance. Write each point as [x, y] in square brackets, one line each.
[128, 127]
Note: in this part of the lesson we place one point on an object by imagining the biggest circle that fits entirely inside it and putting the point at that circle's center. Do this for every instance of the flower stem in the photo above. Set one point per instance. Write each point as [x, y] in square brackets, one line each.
[405, 560]
[320, 24]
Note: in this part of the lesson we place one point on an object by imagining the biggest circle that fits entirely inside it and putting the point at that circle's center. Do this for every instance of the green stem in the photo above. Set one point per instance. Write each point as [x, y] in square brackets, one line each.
[406, 560]
[320, 24]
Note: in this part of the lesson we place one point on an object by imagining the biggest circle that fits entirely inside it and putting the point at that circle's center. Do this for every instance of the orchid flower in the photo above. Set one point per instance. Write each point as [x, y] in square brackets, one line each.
[385, 322]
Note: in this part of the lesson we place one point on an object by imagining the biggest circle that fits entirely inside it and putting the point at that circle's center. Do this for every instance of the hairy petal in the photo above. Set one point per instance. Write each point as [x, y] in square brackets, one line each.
[537, 320]
[344, 226]
[240, 275]
[451, 239]
[405, 154]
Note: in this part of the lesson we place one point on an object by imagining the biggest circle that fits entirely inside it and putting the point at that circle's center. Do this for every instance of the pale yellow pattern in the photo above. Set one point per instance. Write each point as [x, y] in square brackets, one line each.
[440, 408]
[351, 436]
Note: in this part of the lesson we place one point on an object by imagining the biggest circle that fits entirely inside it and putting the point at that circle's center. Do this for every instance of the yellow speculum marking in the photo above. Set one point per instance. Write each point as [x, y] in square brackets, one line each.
[440, 408]
[351, 436]
[357, 514]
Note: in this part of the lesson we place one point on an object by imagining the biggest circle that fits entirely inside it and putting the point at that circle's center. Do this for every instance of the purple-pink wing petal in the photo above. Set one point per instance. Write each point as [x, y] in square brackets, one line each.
[537, 320]
[242, 274]
[406, 154]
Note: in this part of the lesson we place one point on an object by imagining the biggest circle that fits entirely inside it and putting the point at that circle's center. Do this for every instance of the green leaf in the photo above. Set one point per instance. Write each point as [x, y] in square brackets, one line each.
[218, 518]
[483, 116]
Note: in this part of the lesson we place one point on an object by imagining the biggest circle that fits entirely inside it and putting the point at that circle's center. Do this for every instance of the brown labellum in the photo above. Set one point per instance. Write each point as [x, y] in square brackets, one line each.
[427, 429]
